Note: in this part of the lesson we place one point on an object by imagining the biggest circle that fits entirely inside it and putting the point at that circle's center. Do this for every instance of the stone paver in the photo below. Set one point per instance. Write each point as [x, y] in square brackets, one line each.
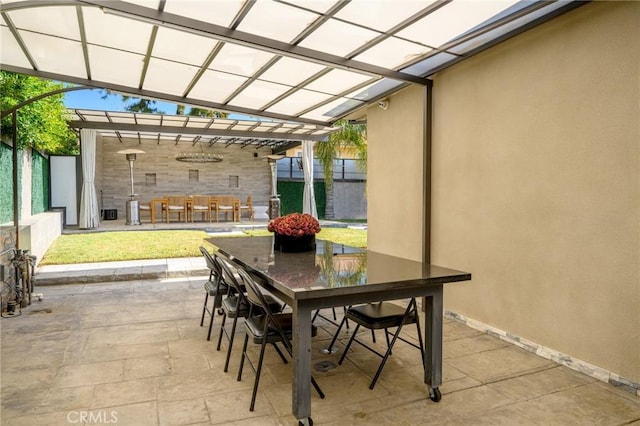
[133, 353]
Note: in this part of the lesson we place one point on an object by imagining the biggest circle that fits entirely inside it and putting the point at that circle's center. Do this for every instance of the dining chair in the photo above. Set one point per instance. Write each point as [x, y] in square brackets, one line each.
[383, 315]
[227, 204]
[246, 207]
[268, 327]
[177, 204]
[236, 305]
[215, 287]
[214, 202]
[145, 207]
[201, 204]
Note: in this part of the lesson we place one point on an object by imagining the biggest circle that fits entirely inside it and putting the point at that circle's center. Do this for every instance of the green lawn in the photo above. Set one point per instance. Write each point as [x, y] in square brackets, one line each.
[135, 245]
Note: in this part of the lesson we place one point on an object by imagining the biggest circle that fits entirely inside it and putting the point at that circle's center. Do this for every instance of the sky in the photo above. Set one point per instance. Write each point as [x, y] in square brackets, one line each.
[92, 99]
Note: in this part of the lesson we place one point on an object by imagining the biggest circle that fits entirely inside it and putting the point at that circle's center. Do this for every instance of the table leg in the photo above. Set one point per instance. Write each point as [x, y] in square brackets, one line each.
[301, 387]
[433, 310]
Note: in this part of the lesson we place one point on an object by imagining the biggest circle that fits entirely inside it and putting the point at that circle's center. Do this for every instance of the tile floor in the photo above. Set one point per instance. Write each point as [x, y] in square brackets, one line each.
[133, 353]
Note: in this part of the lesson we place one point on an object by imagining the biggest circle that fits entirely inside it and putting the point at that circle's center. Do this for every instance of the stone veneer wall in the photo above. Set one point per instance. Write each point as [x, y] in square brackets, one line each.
[7, 243]
[172, 177]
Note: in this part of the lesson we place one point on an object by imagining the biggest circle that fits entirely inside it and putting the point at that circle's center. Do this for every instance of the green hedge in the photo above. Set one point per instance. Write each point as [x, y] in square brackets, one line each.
[39, 183]
[6, 184]
[291, 197]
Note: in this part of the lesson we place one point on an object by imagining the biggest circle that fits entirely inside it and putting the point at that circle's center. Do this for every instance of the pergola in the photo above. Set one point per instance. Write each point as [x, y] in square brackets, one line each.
[307, 62]
[303, 64]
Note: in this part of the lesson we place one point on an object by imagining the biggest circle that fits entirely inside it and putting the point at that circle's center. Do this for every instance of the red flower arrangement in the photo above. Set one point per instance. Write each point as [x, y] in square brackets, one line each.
[295, 225]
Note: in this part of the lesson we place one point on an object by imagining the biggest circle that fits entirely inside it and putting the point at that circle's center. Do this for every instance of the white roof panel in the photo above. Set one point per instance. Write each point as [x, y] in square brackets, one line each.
[284, 60]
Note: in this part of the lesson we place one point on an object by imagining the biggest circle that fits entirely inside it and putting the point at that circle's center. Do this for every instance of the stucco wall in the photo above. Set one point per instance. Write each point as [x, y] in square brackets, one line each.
[350, 200]
[395, 184]
[536, 179]
[172, 177]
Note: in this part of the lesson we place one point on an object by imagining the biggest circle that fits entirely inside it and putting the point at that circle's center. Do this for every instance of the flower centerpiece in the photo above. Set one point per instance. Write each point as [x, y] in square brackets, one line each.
[295, 232]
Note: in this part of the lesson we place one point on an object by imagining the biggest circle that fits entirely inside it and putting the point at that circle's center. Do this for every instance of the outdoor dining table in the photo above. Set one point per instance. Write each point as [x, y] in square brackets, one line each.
[338, 275]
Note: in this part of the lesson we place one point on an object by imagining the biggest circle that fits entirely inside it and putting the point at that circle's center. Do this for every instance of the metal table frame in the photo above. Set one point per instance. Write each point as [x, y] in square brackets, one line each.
[304, 303]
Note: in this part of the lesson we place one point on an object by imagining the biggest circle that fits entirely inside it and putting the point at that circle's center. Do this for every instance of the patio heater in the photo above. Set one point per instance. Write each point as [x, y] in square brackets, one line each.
[274, 200]
[132, 205]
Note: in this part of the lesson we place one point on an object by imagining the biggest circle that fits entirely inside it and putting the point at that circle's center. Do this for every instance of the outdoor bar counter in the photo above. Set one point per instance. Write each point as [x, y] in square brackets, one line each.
[338, 275]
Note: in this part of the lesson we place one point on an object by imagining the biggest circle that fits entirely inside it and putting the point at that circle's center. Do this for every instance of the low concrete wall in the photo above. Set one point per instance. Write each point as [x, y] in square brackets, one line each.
[39, 231]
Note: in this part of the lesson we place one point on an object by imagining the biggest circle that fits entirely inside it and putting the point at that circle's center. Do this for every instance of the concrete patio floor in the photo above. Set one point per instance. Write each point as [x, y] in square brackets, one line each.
[133, 353]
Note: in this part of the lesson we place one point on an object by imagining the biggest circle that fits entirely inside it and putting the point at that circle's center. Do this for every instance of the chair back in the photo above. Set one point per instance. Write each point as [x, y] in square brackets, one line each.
[201, 201]
[211, 264]
[257, 298]
[249, 201]
[176, 201]
[231, 279]
[214, 267]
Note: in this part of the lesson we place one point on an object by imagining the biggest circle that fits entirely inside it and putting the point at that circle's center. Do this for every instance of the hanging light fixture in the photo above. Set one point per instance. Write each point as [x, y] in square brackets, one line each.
[199, 157]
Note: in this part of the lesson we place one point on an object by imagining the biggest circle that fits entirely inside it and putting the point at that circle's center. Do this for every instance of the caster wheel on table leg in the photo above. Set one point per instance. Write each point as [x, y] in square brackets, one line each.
[305, 422]
[435, 395]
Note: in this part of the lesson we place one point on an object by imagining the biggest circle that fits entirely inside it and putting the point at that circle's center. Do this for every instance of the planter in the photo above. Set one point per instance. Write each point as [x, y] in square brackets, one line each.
[288, 244]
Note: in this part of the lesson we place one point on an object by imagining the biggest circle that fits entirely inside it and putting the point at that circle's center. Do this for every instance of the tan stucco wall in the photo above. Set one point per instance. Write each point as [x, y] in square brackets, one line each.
[536, 178]
[395, 183]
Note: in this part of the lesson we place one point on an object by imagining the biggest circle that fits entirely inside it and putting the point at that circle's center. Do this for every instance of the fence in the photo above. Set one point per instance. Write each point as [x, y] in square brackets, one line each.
[343, 169]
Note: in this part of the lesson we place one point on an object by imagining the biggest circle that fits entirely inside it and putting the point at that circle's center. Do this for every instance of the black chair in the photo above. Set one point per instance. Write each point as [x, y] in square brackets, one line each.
[269, 327]
[236, 305]
[215, 287]
[383, 315]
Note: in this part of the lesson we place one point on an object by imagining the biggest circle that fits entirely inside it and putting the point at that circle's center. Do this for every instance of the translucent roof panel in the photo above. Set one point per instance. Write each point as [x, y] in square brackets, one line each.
[291, 71]
[276, 21]
[51, 49]
[99, 28]
[115, 65]
[56, 21]
[168, 77]
[453, 19]
[380, 15]
[222, 14]
[338, 38]
[182, 47]
[311, 61]
[10, 51]
[240, 60]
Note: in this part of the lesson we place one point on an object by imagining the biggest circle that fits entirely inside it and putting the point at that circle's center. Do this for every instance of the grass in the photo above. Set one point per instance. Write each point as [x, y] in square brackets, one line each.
[136, 245]
[125, 245]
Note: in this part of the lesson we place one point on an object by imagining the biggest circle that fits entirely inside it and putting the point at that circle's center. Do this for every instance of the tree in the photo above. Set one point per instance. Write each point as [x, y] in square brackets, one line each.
[147, 105]
[350, 136]
[41, 124]
[133, 104]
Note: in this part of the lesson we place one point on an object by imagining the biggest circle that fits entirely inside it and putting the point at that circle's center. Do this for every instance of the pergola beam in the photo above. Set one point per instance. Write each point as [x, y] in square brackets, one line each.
[179, 130]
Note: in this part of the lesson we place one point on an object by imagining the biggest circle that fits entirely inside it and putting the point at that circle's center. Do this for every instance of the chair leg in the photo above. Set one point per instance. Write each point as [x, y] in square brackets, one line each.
[386, 357]
[346, 349]
[216, 302]
[258, 371]
[204, 309]
[335, 335]
[244, 354]
[420, 336]
[317, 387]
[231, 336]
[282, 357]
[224, 318]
